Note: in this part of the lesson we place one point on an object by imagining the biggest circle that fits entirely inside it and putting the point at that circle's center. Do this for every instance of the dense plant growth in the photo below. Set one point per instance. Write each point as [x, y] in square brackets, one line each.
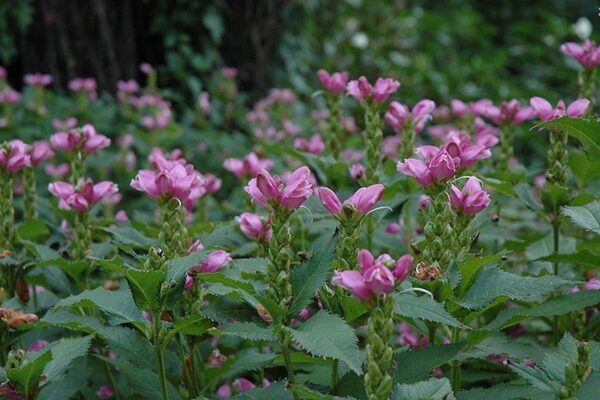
[352, 246]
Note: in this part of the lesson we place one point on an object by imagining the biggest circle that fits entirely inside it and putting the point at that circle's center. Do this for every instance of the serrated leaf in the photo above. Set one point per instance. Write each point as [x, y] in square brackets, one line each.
[471, 266]
[33, 229]
[423, 307]
[27, 375]
[223, 310]
[74, 379]
[118, 305]
[422, 361]
[582, 257]
[587, 216]
[64, 353]
[559, 305]
[587, 131]
[327, 335]
[311, 275]
[178, 267]
[249, 331]
[249, 360]
[432, 389]
[130, 236]
[493, 282]
[524, 193]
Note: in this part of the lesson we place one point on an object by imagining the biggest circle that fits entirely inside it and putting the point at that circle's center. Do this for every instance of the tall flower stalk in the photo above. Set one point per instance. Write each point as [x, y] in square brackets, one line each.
[335, 85]
[373, 284]
[282, 200]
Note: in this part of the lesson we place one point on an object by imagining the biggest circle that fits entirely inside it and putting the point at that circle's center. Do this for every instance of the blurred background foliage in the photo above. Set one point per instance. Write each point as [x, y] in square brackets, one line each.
[438, 49]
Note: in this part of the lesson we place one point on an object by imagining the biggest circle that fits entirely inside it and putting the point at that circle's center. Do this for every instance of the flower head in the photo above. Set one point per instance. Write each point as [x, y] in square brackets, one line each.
[587, 53]
[334, 83]
[471, 199]
[361, 89]
[14, 156]
[82, 197]
[266, 189]
[253, 226]
[248, 167]
[543, 109]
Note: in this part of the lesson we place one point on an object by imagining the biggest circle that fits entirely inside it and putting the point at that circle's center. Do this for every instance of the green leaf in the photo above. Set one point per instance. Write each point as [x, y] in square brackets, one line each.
[33, 229]
[249, 360]
[194, 325]
[274, 392]
[223, 310]
[73, 380]
[422, 361]
[587, 216]
[327, 335]
[471, 266]
[309, 277]
[424, 307]
[493, 282]
[27, 375]
[525, 194]
[118, 305]
[559, 305]
[506, 391]
[587, 131]
[130, 236]
[249, 331]
[178, 267]
[64, 353]
[582, 257]
[424, 390]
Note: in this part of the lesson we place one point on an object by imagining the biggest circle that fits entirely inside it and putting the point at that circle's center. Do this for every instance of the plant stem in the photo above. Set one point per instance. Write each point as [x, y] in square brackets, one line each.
[455, 372]
[112, 381]
[334, 374]
[556, 240]
[432, 330]
[160, 357]
[285, 351]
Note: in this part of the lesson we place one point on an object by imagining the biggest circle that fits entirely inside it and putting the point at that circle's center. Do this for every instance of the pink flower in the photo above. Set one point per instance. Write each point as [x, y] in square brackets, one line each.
[592, 284]
[38, 79]
[84, 85]
[408, 337]
[352, 281]
[417, 169]
[357, 171]
[545, 112]
[509, 112]
[211, 183]
[121, 216]
[329, 200]
[146, 68]
[128, 87]
[379, 279]
[471, 199]
[313, 146]
[82, 197]
[384, 88]
[223, 392]
[212, 263]
[40, 151]
[361, 89]
[403, 267]
[57, 171]
[229, 72]
[87, 140]
[363, 200]
[587, 53]
[14, 156]
[176, 181]
[334, 83]
[242, 385]
[37, 346]
[477, 108]
[204, 102]
[398, 114]
[424, 201]
[9, 96]
[266, 189]
[393, 228]
[248, 167]
[216, 359]
[65, 125]
[442, 166]
[105, 392]
[253, 226]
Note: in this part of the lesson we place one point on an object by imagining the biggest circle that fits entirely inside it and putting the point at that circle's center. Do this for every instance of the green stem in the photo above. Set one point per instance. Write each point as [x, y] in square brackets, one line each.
[112, 381]
[160, 357]
[285, 351]
[334, 374]
[455, 372]
[556, 240]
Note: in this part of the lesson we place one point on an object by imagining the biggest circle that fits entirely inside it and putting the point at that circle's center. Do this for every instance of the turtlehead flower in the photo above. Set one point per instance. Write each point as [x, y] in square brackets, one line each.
[586, 53]
[363, 200]
[543, 109]
[204, 103]
[477, 108]
[85, 139]
[242, 385]
[212, 263]
[37, 79]
[334, 83]
[105, 392]
[265, 189]
[438, 166]
[84, 85]
[229, 72]
[14, 156]
[82, 197]
[9, 96]
[398, 115]
[357, 171]
[146, 68]
[223, 392]
[37, 346]
[361, 89]
[253, 226]
[247, 167]
[175, 181]
[458, 145]
[376, 276]
[39, 151]
[313, 146]
[471, 199]
[57, 171]
[509, 113]
[64, 125]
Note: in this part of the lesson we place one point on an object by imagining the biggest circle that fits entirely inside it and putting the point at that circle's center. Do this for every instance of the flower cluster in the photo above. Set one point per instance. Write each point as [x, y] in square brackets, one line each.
[83, 196]
[266, 189]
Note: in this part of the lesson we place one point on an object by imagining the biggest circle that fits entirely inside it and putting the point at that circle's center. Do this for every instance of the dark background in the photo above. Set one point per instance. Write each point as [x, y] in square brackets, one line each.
[441, 49]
